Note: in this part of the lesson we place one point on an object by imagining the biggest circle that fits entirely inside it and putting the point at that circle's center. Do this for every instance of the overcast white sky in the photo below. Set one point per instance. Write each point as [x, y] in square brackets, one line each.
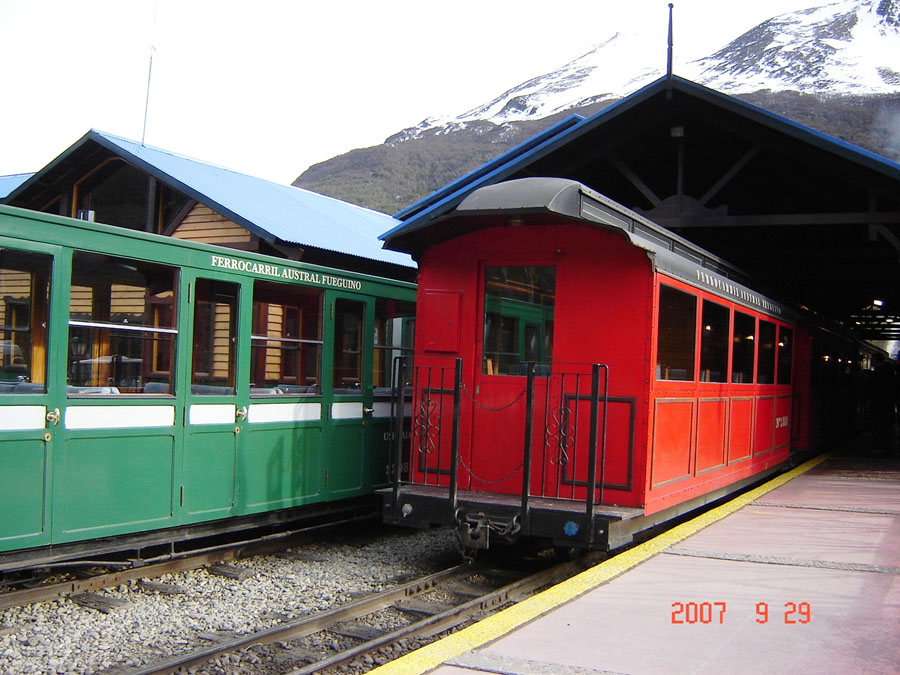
[269, 87]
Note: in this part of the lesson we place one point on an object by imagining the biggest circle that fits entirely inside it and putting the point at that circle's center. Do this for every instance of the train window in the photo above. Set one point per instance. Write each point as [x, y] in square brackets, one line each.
[676, 334]
[785, 350]
[743, 342]
[714, 343]
[395, 325]
[766, 372]
[215, 330]
[24, 300]
[286, 340]
[121, 326]
[349, 319]
[518, 319]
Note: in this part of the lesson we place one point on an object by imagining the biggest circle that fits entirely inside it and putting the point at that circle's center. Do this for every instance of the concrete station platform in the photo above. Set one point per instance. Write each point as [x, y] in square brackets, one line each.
[800, 575]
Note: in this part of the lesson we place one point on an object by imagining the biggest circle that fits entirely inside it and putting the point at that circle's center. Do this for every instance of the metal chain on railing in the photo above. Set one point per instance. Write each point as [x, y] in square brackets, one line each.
[489, 409]
[486, 408]
[486, 481]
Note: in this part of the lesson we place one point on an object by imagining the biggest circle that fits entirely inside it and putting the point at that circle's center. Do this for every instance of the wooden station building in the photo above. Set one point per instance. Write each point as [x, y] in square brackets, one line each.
[108, 179]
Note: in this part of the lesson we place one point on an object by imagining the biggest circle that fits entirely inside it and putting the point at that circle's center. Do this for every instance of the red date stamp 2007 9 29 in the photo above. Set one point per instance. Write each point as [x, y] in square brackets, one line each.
[714, 612]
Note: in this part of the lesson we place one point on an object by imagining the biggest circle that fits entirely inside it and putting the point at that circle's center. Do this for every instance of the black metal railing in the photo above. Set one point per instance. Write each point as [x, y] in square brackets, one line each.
[436, 386]
[574, 419]
[564, 413]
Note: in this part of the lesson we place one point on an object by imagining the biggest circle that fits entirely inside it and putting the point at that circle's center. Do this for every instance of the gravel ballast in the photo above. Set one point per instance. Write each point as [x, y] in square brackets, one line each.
[63, 637]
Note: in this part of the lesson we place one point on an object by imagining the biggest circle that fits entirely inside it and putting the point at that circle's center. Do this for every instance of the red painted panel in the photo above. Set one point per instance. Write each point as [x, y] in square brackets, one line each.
[498, 417]
[671, 458]
[765, 424]
[619, 443]
[711, 418]
[440, 316]
[739, 429]
[783, 406]
[561, 442]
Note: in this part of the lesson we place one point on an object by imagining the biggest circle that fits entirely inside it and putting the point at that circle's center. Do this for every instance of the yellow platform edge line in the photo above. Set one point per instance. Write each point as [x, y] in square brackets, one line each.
[433, 655]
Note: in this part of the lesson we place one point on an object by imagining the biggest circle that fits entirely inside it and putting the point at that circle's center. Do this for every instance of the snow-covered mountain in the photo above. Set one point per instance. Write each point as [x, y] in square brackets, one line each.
[849, 47]
[846, 47]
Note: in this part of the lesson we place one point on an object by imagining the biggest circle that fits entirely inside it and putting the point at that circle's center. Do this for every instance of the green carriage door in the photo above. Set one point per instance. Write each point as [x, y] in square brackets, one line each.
[28, 413]
[368, 333]
[347, 470]
[393, 338]
[217, 398]
[280, 465]
[115, 453]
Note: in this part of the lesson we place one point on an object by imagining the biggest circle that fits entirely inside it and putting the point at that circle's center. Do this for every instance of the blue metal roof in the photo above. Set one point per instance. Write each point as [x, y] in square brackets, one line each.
[10, 183]
[269, 210]
[442, 201]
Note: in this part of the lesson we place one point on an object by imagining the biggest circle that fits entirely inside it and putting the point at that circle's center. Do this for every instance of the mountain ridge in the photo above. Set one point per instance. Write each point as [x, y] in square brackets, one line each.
[820, 67]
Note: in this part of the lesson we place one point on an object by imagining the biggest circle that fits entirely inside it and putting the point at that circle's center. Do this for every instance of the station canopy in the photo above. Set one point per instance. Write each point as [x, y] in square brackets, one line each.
[810, 219]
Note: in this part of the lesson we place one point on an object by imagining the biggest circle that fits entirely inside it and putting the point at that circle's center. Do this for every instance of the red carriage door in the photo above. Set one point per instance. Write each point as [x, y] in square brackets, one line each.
[517, 312]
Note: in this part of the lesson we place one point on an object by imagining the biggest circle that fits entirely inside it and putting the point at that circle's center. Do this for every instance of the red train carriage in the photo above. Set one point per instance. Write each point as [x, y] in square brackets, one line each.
[580, 373]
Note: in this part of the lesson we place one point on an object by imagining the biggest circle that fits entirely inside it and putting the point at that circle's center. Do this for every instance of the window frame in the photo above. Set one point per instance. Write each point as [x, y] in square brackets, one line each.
[545, 366]
[726, 340]
[35, 358]
[657, 338]
[733, 306]
[156, 334]
[382, 351]
[257, 341]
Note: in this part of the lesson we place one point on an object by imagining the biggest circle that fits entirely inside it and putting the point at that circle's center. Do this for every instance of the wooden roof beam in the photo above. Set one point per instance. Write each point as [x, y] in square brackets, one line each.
[731, 173]
[886, 233]
[633, 178]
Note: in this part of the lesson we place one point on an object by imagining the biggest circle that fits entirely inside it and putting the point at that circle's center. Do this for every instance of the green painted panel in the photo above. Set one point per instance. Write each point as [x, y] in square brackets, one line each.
[343, 459]
[22, 489]
[280, 467]
[112, 485]
[378, 452]
[208, 474]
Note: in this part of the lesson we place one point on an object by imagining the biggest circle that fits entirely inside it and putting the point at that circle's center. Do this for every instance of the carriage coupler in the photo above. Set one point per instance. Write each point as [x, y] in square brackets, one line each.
[474, 529]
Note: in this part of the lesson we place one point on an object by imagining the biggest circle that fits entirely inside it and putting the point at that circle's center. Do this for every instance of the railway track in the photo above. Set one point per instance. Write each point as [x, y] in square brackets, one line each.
[431, 605]
[94, 576]
[79, 578]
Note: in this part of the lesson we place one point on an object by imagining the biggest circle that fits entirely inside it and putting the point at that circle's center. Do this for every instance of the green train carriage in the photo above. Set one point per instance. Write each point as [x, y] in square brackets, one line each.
[149, 386]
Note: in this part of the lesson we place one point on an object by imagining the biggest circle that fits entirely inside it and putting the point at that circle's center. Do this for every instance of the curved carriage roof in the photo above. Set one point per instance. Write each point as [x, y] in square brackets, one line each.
[269, 210]
[528, 200]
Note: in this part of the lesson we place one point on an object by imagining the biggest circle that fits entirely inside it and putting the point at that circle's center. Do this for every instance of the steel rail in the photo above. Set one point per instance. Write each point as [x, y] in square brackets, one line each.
[157, 566]
[428, 626]
[308, 625]
[455, 616]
